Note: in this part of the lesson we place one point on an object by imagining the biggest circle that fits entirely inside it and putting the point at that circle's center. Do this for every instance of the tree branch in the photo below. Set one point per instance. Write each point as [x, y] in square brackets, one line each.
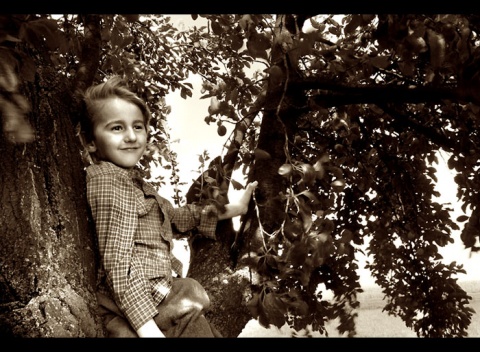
[403, 122]
[89, 57]
[329, 93]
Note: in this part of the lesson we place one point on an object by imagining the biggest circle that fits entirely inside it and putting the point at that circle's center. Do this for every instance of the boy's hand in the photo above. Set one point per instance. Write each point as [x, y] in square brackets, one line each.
[150, 329]
[241, 207]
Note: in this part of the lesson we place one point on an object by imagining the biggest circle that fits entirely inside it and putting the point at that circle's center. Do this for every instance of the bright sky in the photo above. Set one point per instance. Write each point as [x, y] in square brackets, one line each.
[190, 133]
[194, 136]
[456, 251]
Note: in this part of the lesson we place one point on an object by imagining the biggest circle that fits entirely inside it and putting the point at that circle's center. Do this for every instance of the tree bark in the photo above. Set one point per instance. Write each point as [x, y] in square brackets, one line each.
[284, 106]
[47, 256]
[226, 284]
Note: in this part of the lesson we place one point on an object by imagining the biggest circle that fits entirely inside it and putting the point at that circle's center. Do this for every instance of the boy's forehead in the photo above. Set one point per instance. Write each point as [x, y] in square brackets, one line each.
[116, 107]
[99, 105]
[107, 102]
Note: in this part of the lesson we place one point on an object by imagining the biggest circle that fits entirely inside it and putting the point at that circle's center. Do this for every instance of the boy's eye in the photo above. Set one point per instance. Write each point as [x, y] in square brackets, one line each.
[116, 128]
[139, 127]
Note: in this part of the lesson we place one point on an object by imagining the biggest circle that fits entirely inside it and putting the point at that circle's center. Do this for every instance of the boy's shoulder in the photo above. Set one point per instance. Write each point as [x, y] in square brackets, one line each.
[105, 168]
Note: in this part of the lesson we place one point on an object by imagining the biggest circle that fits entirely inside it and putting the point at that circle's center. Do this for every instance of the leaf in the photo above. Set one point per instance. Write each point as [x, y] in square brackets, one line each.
[407, 68]
[217, 28]
[131, 17]
[317, 25]
[462, 218]
[260, 41]
[380, 61]
[48, 29]
[275, 310]
[353, 24]
[285, 169]
[307, 221]
[8, 37]
[252, 306]
[319, 169]
[310, 195]
[8, 78]
[221, 130]
[209, 179]
[185, 92]
[237, 42]
[236, 185]
[15, 127]
[257, 45]
[276, 75]
[347, 236]
[297, 254]
[338, 185]
[309, 173]
[214, 106]
[261, 154]
[436, 42]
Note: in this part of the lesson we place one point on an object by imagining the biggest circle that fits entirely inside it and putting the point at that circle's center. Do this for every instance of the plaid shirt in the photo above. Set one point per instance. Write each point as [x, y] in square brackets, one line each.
[134, 226]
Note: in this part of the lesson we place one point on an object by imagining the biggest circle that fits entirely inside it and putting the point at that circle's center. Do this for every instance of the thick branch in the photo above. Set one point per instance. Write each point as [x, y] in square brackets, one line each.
[326, 93]
[433, 135]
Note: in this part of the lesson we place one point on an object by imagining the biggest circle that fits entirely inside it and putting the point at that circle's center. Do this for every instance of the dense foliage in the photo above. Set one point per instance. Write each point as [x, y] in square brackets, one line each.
[359, 106]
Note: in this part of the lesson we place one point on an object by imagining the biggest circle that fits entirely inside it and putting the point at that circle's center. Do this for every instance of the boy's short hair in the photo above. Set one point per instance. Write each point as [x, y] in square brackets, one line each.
[114, 86]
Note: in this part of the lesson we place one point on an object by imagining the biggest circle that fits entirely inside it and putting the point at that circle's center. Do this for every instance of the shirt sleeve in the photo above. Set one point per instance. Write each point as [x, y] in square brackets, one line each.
[112, 201]
[202, 218]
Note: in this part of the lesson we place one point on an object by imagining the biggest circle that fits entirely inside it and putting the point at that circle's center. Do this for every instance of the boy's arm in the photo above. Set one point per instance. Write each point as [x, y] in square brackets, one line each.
[241, 207]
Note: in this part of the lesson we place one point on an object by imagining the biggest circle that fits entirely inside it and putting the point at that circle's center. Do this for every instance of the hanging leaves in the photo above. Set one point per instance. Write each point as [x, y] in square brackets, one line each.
[257, 45]
[436, 43]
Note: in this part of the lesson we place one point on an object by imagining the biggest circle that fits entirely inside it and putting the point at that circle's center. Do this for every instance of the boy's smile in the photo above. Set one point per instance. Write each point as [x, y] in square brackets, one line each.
[119, 131]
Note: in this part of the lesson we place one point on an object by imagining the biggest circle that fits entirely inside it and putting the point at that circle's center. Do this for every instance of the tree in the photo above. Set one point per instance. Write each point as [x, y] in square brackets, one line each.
[341, 129]
[49, 253]
[352, 114]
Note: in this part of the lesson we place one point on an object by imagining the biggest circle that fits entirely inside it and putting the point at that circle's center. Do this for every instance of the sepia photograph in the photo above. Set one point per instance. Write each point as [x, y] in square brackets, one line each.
[240, 175]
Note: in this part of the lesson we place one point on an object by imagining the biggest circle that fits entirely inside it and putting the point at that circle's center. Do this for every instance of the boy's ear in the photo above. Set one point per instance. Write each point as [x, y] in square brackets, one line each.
[91, 147]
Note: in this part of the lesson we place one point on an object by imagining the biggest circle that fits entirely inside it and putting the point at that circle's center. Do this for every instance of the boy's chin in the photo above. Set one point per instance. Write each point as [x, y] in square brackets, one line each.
[124, 164]
[127, 166]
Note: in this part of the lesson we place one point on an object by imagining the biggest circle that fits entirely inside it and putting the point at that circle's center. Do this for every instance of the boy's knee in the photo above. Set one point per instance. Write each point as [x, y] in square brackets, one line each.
[193, 293]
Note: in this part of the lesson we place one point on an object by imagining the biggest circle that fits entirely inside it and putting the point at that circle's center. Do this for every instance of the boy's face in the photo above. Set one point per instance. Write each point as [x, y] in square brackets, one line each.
[119, 133]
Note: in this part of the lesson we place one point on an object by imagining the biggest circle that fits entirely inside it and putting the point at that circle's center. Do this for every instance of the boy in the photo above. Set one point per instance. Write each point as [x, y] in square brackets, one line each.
[137, 293]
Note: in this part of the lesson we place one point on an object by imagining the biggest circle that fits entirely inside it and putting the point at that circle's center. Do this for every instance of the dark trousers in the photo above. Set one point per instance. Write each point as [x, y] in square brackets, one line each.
[180, 314]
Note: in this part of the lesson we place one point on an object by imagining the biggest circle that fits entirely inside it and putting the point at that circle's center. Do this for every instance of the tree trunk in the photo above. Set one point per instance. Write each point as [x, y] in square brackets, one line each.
[213, 265]
[47, 256]
[284, 105]
[226, 285]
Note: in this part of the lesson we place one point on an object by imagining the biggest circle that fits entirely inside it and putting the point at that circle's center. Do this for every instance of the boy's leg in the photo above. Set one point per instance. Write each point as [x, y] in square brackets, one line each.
[116, 325]
[180, 314]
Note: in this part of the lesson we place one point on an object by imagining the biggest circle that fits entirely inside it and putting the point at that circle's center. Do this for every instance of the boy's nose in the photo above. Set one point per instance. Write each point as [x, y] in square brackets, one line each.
[130, 135]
